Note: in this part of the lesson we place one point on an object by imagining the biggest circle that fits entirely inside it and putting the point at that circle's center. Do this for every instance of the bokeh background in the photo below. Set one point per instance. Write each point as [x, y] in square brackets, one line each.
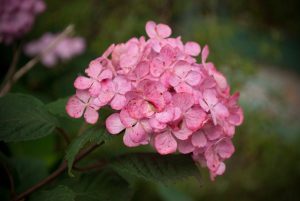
[254, 43]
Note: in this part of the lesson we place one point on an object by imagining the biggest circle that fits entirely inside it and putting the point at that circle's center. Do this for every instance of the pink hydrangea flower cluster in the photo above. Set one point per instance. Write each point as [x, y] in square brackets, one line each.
[64, 50]
[17, 17]
[162, 96]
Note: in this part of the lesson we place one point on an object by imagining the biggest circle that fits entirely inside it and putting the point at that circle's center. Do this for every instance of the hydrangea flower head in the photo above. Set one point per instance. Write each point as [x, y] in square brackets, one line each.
[17, 17]
[64, 50]
[162, 97]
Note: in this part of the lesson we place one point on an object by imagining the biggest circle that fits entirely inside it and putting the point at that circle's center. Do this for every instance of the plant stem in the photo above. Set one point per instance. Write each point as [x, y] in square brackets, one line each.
[11, 180]
[57, 172]
[94, 166]
[30, 64]
[82, 128]
[12, 67]
[64, 134]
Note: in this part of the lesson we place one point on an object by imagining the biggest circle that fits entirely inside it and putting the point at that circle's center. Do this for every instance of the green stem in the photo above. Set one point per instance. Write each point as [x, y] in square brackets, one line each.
[57, 172]
[64, 134]
[12, 67]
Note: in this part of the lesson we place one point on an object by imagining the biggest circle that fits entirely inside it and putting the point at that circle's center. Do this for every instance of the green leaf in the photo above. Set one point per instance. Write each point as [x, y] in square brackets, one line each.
[23, 117]
[106, 185]
[101, 186]
[155, 167]
[28, 172]
[168, 193]
[91, 135]
[59, 193]
[58, 107]
[25, 171]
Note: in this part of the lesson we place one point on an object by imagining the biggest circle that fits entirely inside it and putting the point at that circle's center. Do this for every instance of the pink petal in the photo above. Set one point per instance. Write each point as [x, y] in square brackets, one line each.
[126, 119]
[157, 100]
[128, 141]
[213, 132]
[192, 48]
[163, 30]
[229, 130]
[214, 117]
[105, 74]
[185, 146]
[156, 68]
[167, 97]
[139, 108]
[127, 60]
[95, 89]
[208, 83]
[182, 68]
[156, 46]
[184, 101]
[137, 133]
[108, 51]
[154, 123]
[199, 139]
[150, 29]
[130, 95]
[212, 159]
[221, 110]
[205, 53]
[146, 125]
[142, 69]
[233, 99]
[91, 115]
[165, 143]
[83, 95]
[204, 105]
[168, 54]
[225, 148]
[183, 133]
[221, 80]
[183, 88]
[195, 118]
[118, 102]
[221, 169]
[94, 69]
[210, 67]
[103, 98]
[165, 116]
[82, 82]
[75, 107]
[209, 96]
[177, 114]
[165, 77]
[236, 118]
[193, 78]
[173, 80]
[114, 124]
[122, 85]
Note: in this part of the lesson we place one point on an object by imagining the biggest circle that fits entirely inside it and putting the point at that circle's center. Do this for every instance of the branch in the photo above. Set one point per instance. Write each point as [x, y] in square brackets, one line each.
[30, 64]
[94, 166]
[64, 134]
[12, 67]
[57, 172]
[11, 180]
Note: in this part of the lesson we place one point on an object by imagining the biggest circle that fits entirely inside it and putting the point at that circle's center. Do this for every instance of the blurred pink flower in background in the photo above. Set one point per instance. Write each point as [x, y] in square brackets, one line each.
[17, 17]
[162, 97]
[64, 50]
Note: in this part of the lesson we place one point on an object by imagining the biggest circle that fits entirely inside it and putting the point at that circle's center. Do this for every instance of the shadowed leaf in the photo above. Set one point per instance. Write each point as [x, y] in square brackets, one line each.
[23, 117]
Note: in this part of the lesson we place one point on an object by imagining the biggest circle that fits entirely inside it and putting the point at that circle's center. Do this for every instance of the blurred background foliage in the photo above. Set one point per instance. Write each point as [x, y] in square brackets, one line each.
[254, 43]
